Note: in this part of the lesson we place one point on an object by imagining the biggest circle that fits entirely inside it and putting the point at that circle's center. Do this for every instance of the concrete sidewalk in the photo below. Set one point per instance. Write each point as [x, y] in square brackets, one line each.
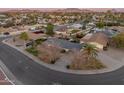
[4, 79]
[8, 75]
[111, 63]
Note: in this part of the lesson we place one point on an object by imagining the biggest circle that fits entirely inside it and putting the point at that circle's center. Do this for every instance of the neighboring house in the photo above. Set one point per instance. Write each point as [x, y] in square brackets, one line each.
[40, 20]
[37, 29]
[5, 21]
[3, 16]
[63, 44]
[109, 32]
[85, 38]
[118, 28]
[99, 39]
[91, 24]
[97, 30]
[61, 30]
[76, 26]
[33, 36]
[2, 23]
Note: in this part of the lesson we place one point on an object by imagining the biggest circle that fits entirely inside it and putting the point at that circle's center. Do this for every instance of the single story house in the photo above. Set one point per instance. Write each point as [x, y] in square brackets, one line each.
[109, 32]
[34, 36]
[99, 39]
[91, 24]
[118, 28]
[37, 29]
[63, 44]
[76, 26]
[61, 30]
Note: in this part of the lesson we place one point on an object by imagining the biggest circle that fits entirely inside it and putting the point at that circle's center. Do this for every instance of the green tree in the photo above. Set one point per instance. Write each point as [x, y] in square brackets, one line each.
[118, 40]
[49, 29]
[24, 36]
[90, 51]
[100, 24]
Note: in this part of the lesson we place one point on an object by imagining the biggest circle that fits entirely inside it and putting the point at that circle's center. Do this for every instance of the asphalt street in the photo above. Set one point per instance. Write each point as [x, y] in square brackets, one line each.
[29, 72]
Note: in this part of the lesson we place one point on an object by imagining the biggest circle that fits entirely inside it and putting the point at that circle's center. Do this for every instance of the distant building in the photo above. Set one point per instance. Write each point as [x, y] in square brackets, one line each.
[76, 26]
[109, 32]
[61, 31]
[60, 28]
[33, 36]
[2, 16]
[38, 29]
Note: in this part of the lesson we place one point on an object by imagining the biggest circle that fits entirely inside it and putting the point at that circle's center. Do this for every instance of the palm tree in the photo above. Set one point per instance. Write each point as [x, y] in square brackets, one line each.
[90, 51]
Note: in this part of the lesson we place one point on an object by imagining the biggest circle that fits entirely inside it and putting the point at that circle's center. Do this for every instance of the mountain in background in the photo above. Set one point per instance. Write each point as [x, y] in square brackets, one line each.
[61, 9]
[106, 9]
[73, 10]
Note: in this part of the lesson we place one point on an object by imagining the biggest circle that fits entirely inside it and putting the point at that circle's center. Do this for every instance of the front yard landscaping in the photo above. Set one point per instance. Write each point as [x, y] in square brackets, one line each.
[81, 65]
[84, 61]
[81, 60]
[69, 55]
[48, 54]
[33, 51]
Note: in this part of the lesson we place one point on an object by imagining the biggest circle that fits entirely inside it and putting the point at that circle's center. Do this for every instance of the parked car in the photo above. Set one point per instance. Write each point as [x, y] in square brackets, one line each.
[6, 33]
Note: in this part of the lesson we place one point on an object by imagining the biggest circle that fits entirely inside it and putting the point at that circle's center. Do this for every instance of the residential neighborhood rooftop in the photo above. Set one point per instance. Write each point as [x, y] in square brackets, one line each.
[99, 37]
[63, 43]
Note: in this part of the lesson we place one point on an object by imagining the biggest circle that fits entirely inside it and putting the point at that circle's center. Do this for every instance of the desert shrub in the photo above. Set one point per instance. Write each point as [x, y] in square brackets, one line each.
[117, 41]
[80, 35]
[39, 41]
[33, 51]
[79, 62]
[74, 31]
[94, 64]
[63, 51]
[68, 66]
[49, 54]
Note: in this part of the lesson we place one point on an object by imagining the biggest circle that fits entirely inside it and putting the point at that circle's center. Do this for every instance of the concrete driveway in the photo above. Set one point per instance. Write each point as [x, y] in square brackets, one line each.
[113, 58]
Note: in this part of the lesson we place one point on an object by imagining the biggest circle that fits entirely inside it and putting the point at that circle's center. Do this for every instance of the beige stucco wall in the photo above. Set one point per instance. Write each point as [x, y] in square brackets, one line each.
[97, 45]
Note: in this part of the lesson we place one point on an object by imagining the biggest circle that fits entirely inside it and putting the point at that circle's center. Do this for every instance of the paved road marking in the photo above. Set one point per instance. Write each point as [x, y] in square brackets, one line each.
[6, 78]
[9, 75]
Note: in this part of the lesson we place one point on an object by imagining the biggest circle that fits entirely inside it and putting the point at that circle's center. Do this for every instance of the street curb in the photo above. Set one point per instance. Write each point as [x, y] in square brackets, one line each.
[79, 72]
